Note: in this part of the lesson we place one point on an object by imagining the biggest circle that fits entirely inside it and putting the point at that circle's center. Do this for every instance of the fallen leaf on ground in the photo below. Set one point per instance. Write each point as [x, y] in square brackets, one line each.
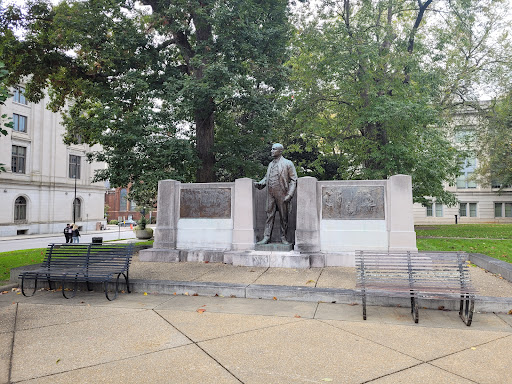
[310, 282]
[195, 294]
[274, 298]
[232, 296]
[326, 379]
[297, 316]
[186, 293]
[201, 310]
[473, 348]
[145, 293]
[4, 292]
[58, 361]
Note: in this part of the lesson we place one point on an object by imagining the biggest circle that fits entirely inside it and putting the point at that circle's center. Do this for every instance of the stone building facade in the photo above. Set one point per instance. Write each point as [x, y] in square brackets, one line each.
[477, 203]
[41, 175]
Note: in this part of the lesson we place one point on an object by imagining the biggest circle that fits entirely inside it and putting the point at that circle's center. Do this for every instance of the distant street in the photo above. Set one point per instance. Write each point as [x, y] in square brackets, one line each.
[42, 241]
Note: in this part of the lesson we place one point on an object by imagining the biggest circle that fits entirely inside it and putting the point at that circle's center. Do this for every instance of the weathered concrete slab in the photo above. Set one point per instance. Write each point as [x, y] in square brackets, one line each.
[55, 349]
[7, 316]
[488, 362]
[304, 351]
[203, 324]
[287, 276]
[423, 374]
[31, 316]
[187, 365]
[241, 306]
[5, 355]
[422, 343]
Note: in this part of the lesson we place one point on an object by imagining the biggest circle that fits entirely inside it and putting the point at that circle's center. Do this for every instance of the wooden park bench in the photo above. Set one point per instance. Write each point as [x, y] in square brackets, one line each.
[82, 263]
[417, 276]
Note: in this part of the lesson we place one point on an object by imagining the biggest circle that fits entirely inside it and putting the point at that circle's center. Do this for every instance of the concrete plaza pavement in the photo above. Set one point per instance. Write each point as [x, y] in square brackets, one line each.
[156, 338]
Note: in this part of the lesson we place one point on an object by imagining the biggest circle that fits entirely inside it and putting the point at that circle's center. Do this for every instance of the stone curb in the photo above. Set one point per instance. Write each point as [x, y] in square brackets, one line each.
[8, 287]
[294, 293]
[492, 265]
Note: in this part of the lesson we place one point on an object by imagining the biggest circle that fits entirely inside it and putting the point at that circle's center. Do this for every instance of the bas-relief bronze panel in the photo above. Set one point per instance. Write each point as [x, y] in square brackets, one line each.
[353, 203]
[210, 203]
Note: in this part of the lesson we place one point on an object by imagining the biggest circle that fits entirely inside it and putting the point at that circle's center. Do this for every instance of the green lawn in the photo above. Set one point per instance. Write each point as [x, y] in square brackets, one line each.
[13, 259]
[499, 249]
[488, 231]
[471, 238]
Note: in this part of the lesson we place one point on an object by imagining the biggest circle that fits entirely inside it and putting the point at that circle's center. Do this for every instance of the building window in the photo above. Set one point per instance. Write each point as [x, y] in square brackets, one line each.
[19, 95]
[123, 201]
[74, 167]
[20, 209]
[434, 208]
[19, 123]
[77, 210]
[467, 210]
[463, 181]
[502, 209]
[18, 159]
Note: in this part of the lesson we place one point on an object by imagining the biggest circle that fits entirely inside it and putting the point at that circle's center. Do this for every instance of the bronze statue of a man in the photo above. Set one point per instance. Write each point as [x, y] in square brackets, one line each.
[281, 182]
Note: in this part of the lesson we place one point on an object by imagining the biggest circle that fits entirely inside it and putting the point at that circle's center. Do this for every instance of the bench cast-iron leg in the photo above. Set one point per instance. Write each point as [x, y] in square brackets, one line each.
[467, 307]
[414, 308]
[23, 286]
[75, 287]
[364, 304]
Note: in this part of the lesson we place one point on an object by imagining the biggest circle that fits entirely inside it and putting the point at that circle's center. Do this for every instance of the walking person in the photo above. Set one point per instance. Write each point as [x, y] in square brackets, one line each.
[75, 234]
[67, 233]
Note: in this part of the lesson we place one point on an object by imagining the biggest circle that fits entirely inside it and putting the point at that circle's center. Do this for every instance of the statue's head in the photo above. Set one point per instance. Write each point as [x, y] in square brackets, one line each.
[277, 150]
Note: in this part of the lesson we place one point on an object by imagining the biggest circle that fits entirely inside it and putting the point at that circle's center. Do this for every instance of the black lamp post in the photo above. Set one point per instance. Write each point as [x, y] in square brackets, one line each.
[74, 200]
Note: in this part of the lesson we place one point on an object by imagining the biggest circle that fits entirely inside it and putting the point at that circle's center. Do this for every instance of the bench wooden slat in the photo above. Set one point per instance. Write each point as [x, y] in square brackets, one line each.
[425, 275]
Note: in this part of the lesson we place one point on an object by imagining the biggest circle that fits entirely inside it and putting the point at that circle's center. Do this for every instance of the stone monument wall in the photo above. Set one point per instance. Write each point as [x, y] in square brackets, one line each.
[329, 221]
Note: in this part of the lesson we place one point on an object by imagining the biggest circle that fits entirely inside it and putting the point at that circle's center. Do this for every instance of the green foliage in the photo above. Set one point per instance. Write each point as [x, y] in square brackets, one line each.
[375, 84]
[156, 85]
[113, 222]
[365, 102]
[494, 144]
[4, 94]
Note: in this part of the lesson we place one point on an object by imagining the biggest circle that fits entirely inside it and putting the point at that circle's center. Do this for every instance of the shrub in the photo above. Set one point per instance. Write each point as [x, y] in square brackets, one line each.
[113, 222]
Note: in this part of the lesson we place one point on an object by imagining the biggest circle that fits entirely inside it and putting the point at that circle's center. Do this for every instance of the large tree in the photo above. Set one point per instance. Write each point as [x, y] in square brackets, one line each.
[374, 83]
[494, 144]
[155, 81]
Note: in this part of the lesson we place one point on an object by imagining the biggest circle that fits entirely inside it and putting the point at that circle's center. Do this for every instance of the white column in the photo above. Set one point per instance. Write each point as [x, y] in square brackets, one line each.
[243, 216]
[400, 214]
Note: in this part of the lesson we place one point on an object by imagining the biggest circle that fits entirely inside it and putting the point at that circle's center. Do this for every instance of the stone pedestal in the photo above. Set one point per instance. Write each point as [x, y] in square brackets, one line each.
[307, 233]
[273, 247]
[290, 259]
[401, 223]
[243, 216]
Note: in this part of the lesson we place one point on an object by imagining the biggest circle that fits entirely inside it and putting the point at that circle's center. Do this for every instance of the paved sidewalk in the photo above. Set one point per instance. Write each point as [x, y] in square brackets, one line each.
[183, 339]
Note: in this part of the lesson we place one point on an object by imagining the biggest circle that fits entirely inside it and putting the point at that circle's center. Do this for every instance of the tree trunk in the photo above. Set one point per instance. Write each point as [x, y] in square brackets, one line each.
[205, 123]
[204, 114]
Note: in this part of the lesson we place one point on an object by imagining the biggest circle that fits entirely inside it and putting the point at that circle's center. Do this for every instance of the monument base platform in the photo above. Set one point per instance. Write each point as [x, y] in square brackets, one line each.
[273, 247]
[272, 257]
[275, 259]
